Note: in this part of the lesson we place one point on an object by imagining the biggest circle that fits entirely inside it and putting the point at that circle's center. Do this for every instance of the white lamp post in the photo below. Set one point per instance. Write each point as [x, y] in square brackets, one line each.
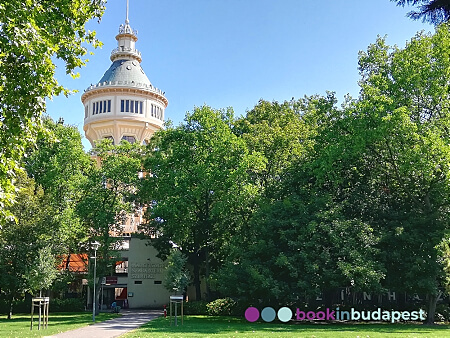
[95, 245]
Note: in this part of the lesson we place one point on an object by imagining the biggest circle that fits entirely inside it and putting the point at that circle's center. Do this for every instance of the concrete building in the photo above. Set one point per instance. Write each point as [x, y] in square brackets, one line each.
[124, 105]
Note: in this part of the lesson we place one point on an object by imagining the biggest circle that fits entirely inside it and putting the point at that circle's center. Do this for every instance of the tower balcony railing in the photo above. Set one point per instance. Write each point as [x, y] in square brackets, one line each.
[127, 50]
[126, 29]
[139, 85]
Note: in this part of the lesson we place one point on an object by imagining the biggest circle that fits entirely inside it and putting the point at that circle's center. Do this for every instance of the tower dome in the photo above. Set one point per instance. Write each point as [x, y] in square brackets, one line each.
[123, 105]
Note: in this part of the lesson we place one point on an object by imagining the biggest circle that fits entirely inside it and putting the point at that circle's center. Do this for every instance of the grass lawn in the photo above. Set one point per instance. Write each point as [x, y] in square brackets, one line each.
[19, 325]
[203, 326]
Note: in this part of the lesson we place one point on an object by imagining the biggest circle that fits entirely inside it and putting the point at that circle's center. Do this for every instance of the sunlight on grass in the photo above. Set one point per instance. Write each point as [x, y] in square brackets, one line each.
[203, 326]
[19, 325]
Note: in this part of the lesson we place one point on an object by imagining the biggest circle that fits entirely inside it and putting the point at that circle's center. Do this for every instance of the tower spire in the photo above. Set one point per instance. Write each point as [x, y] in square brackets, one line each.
[126, 20]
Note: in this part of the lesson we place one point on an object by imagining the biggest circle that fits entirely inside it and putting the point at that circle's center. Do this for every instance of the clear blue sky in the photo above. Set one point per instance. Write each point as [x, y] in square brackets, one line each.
[231, 53]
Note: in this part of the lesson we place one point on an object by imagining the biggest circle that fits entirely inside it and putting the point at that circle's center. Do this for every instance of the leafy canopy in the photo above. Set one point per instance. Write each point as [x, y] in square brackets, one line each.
[432, 11]
[32, 34]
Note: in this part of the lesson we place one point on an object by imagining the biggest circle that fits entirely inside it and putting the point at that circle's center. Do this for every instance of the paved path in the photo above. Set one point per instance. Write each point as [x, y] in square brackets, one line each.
[130, 320]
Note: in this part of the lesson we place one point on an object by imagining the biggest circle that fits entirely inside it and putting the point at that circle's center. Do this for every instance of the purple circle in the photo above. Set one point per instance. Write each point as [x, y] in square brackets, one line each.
[252, 314]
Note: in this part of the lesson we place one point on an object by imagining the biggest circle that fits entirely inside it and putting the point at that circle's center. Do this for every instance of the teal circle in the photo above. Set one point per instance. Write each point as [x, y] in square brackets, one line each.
[284, 314]
[268, 314]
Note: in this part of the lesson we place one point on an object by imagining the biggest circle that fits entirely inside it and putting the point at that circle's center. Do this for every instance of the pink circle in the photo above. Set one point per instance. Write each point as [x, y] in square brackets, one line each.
[252, 314]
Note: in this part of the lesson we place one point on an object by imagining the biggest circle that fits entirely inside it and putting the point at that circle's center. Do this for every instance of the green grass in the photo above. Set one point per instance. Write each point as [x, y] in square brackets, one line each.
[202, 326]
[19, 325]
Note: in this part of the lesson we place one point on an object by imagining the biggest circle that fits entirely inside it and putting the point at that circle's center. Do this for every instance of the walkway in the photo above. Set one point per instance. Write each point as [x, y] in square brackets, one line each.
[130, 320]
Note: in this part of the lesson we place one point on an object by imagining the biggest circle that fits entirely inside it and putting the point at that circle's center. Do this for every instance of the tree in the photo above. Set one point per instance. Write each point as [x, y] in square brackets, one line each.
[59, 165]
[48, 226]
[43, 270]
[278, 133]
[177, 277]
[386, 158]
[302, 245]
[33, 34]
[433, 11]
[197, 188]
[108, 196]
[299, 242]
[26, 246]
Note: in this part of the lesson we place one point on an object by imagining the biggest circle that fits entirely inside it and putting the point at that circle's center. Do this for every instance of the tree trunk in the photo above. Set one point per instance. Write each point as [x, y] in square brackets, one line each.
[432, 302]
[328, 298]
[198, 291]
[10, 312]
[97, 296]
[208, 289]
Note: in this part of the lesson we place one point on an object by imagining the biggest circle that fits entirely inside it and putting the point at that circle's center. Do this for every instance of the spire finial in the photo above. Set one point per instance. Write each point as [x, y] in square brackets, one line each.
[126, 20]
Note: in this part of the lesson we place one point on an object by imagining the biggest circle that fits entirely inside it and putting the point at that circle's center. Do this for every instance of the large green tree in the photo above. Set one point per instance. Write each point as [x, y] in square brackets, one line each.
[197, 190]
[277, 132]
[108, 196]
[386, 158]
[26, 245]
[302, 245]
[59, 164]
[47, 223]
[33, 34]
[299, 241]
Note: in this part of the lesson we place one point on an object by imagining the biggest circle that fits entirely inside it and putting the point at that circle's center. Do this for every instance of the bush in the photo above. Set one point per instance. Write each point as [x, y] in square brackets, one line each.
[19, 306]
[66, 305]
[240, 307]
[56, 305]
[195, 308]
[221, 307]
[442, 313]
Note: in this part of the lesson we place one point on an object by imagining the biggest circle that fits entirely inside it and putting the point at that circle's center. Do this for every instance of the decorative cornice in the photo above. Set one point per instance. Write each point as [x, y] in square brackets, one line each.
[124, 87]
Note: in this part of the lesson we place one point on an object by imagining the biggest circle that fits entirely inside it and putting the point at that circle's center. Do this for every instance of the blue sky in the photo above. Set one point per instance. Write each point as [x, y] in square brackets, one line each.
[232, 53]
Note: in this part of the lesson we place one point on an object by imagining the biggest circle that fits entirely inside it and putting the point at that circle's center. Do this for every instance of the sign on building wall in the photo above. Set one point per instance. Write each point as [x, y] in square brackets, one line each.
[146, 270]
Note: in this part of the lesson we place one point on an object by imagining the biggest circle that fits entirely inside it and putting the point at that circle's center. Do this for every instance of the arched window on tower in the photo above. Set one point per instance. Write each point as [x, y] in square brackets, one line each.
[130, 139]
[110, 138]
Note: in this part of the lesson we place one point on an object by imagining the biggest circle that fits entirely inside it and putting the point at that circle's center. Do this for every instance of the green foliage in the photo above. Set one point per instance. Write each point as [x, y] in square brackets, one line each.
[385, 158]
[221, 307]
[443, 313]
[444, 254]
[66, 305]
[108, 196]
[47, 226]
[33, 34]
[21, 305]
[297, 249]
[367, 204]
[177, 277]
[60, 165]
[43, 270]
[278, 133]
[298, 240]
[195, 308]
[198, 188]
[433, 11]
[25, 245]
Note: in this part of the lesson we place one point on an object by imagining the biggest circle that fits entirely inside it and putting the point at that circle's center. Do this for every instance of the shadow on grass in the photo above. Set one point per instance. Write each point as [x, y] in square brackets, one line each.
[19, 325]
[58, 318]
[214, 325]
